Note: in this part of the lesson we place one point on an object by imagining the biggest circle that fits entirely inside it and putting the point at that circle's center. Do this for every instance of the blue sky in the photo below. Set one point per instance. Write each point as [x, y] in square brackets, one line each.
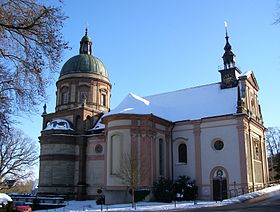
[155, 46]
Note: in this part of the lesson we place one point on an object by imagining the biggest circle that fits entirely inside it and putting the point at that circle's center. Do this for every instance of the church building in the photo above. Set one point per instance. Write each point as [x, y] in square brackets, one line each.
[212, 133]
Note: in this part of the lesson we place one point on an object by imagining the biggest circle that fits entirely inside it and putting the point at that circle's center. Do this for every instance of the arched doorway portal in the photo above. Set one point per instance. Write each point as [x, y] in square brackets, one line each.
[219, 183]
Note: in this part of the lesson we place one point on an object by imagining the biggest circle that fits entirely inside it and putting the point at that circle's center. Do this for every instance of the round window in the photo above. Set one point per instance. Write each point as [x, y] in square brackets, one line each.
[220, 173]
[98, 148]
[219, 145]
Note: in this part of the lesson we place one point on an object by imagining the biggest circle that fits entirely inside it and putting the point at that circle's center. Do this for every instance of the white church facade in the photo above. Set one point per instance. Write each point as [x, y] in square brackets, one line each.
[212, 133]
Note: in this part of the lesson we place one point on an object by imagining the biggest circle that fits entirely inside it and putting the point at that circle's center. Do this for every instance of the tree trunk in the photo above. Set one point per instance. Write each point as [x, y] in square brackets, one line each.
[132, 196]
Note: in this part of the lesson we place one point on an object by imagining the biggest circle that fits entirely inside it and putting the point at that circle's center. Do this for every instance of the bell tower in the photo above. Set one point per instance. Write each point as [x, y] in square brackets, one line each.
[229, 73]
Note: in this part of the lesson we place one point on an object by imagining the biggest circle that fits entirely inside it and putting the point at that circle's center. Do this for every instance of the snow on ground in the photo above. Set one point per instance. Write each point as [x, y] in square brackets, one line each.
[251, 195]
[90, 206]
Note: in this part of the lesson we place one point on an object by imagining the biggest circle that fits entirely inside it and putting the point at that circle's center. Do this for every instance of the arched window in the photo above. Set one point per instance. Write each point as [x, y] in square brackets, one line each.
[161, 157]
[83, 94]
[257, 155]
[103, 99]
[64, 95]
[182, 152]
[116, 153]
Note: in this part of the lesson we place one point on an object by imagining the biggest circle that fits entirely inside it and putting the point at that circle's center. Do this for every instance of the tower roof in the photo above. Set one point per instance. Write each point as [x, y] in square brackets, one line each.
[84, 62]
[86, 38]
[228, 56]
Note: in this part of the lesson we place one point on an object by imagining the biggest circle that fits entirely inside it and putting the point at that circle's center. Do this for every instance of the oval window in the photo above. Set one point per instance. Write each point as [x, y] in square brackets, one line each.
[98, 148]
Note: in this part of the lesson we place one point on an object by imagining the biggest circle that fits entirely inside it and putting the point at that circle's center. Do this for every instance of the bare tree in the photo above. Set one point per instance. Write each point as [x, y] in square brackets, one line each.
[20, 187]
[273, 150]
[273, 140]
[31, 46]
[277, 13]
[129, 173]
[18, 155]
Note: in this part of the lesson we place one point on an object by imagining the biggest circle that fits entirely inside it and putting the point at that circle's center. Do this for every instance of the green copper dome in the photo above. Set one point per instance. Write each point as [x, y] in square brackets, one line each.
[86, 38]
[85, 62]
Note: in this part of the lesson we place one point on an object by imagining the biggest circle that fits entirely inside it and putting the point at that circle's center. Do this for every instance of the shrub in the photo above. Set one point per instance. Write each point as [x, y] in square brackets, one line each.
[140, 194]
[163, 190]
[100, 200]
[182, 189]
[185, 187]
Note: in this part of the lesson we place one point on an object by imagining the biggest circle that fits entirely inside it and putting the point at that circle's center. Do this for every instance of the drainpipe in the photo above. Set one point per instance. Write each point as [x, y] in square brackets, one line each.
[172, 166]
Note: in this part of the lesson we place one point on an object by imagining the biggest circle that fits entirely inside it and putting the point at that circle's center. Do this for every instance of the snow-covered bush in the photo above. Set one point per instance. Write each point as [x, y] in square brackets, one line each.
[185, 188]
[163, 190]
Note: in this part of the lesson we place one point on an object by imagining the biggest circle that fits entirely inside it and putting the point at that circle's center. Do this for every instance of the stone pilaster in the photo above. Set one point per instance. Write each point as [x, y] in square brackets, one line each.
[242, 150]
[198, 165]
[82, 168]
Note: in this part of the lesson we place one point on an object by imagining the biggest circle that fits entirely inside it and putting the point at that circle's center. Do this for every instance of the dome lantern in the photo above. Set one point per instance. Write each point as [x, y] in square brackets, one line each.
[86, 44]
[84, 62]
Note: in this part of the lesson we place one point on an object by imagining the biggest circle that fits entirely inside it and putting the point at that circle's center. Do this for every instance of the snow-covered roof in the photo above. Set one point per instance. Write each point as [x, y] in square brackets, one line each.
[187, 104]
[250, 75]
[247, 73]
[58, 124]
[4, 198]
[97, 126]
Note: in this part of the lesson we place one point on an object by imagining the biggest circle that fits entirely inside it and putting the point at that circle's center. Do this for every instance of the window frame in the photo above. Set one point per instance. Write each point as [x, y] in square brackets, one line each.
[115, 165]
[214, 144]
[83, 94]
[64, 95]
[184, 157]
[103, 99]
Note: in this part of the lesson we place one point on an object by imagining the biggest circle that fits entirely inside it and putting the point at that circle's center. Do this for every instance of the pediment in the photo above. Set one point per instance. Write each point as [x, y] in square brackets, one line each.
[250, 76]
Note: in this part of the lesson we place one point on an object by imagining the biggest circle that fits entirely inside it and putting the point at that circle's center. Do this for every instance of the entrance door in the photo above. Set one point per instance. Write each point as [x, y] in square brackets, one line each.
[219, 189]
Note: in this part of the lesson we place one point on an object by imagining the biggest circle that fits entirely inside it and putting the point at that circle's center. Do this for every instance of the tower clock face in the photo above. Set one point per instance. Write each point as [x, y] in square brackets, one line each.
[228, 80]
